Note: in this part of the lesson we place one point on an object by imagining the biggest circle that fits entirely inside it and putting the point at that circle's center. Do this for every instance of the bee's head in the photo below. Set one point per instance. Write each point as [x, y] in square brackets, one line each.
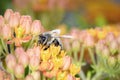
[42, 39]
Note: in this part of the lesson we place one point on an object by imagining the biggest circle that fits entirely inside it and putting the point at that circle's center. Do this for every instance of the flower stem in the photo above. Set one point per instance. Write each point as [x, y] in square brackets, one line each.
[96, 76]
[76, 55]
[4, 46]
[81, 54]
[12, 75]
[92, 55]
[82, 75]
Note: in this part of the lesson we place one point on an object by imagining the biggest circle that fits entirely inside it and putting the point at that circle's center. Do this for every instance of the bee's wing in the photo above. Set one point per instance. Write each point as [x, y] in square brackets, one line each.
[66, 36]
[55, 32]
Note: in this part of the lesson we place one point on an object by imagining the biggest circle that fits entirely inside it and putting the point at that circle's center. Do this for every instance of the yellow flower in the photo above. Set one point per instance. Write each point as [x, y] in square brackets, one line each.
[63, 29]
[62, 53]
[116, 33]
[54, 50]
[101, 34]
[19, 32]
[74, 69]
[45, 54]
[62, 75]
[57, 62]
[93, 32]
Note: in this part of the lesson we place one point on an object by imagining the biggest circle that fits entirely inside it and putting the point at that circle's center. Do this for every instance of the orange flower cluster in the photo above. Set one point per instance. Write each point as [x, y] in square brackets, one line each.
[101, 33]
[55, 63]
[87, 39]
[18, 28]
[108, 52]
[51, 63]
[24, 59]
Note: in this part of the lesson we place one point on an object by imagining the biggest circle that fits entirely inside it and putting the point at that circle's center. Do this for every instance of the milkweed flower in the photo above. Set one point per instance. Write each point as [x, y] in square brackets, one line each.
[19, 51]
[23, 59]
[25, 24]
[7, 14]
[54, 61]
[10, 62]
[74, 69]
[36, 75]
[6, 32]
[67, 64]
[14, 20]
[19, 71]
[36, 27]
[89, 41]
[28, 60]
[29, 77]
[2, 22]
[20, 28]
[34, 63]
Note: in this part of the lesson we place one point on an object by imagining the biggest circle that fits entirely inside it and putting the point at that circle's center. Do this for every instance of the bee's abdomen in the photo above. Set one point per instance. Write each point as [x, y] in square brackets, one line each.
[56, 42]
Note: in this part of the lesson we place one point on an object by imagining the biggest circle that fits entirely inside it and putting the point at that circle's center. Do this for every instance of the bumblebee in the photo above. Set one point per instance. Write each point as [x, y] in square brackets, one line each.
[52, 37]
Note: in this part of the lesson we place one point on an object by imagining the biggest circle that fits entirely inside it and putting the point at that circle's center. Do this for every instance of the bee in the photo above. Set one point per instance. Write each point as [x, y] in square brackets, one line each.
[52, 37]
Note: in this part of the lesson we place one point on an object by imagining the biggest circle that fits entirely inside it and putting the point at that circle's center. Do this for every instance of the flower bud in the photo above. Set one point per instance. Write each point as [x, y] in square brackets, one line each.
[30, 77]
[34, 63]
[118, 39]
[25, 23]
[1, 75]
[113, 47]
[66, 62]
[10, 62]
[118, 58]
[1, 24]
[51, 73]
[74, 69]
[24, 17]
[36, 75]
[110, 37]
[7, 14]
[74, 32]
[66, 44]
[37, 51]
[89, 41]
[4, 75]
[19, 51]
[105, 52]
[99, 46]
[1, 21]
[19, 71]
[30, 52]
[82, 35]
[23, 59]
[14, 19]
[6, 32]
[76, 45]
[70, 77]
[36, 27]
[44, 66]
[112, 61]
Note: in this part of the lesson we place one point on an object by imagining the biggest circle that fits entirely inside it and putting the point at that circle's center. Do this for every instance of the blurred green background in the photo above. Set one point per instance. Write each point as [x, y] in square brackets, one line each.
[72, 13]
